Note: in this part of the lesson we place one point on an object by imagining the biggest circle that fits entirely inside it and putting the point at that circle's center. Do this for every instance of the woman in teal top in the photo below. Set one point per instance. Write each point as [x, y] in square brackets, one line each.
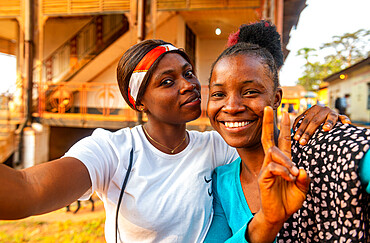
[243, 81]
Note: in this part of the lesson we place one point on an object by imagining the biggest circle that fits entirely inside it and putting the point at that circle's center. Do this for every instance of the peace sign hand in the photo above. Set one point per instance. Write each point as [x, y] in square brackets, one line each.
[283, 187]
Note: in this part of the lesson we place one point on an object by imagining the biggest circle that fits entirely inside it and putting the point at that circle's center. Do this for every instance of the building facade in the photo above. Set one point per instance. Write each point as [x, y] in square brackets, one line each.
[69, 50]
[354, 84]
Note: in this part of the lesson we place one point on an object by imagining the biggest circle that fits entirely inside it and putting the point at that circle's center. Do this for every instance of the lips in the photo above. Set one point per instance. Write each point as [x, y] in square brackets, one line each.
[195, 97]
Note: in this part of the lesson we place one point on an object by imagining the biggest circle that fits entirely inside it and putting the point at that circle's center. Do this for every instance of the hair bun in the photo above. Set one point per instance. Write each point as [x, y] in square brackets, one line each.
[264, 34]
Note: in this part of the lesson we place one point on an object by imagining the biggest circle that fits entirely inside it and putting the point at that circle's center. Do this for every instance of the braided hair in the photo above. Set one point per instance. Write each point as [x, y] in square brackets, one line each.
[260, 40]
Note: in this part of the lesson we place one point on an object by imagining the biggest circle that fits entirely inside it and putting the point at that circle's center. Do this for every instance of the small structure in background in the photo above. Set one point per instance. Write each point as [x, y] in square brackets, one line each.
[292, 99]
[352, 87]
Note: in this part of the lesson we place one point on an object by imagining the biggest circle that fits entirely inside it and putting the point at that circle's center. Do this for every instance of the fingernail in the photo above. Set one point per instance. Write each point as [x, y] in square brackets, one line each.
[295, 170]
[297, 136]
[292, 177]
[303, 141]
[326, 127]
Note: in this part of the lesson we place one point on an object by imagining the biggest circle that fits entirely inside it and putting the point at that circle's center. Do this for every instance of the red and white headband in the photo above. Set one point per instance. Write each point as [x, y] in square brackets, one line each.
[142, 68]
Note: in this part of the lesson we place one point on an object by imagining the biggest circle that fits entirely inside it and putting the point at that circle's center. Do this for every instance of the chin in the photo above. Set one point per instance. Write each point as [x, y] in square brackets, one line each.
[194, 116]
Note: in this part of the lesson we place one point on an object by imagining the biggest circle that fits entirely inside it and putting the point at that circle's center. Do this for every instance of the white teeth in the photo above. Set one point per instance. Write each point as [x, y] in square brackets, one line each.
[236, 124]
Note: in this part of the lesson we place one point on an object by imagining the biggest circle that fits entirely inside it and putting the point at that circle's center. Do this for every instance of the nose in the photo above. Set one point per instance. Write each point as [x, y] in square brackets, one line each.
[233, 105]
[187, 86]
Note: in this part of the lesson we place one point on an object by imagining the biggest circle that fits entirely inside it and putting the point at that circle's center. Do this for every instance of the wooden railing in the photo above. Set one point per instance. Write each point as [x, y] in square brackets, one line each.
[62, 7]
[76, 52]
[11, 9]
[99, 101]
[70, 7]
[166, 5]
[9, 120]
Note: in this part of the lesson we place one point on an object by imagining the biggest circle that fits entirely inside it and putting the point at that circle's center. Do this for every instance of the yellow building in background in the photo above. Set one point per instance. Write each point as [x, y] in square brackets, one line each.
[322, 93]
[292, 99]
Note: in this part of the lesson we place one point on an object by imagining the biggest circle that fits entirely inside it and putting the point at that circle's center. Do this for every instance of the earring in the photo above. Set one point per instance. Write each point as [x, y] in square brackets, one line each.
[141, 109]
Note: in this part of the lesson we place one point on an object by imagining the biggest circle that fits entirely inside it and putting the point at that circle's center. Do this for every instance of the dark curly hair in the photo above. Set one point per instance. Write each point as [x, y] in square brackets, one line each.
[261, 40]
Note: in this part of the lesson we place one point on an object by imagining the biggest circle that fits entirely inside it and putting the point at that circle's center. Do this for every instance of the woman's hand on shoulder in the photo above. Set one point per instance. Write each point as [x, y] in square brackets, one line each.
[314, 117]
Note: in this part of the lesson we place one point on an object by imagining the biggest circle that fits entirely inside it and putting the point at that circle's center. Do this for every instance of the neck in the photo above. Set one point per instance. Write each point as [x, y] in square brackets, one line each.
[167, 135]
[252, 159]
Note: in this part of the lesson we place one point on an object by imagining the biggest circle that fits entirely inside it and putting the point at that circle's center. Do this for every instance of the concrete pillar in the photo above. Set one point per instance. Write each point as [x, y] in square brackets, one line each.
[36, 144]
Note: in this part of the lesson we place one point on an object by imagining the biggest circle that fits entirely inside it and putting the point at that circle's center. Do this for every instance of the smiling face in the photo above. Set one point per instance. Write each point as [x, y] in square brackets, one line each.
[240, 88]
[173, 93]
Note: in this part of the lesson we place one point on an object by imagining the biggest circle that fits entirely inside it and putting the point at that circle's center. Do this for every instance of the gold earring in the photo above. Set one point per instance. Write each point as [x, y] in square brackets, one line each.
[141, 109]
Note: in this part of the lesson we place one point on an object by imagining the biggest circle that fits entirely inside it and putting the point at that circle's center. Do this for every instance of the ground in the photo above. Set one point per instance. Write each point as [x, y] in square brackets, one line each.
[58, 226]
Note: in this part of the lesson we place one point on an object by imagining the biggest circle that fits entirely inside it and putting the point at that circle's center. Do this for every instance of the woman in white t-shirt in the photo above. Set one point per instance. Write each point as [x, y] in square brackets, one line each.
[168, 197]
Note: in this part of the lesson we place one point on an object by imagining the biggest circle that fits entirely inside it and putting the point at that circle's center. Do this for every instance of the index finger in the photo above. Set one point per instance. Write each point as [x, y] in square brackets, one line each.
[284, 136]
[267, 137]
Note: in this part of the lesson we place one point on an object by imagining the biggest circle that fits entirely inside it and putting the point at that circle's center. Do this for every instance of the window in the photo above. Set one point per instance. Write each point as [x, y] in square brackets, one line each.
[190, 44]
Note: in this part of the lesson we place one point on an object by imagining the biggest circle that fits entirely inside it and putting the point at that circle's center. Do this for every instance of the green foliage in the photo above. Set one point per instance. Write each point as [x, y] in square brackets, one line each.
[346, 50]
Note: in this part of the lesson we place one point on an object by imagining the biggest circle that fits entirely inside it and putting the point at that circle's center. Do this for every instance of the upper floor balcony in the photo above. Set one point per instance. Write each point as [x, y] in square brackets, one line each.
[11, 9]
[14, 8]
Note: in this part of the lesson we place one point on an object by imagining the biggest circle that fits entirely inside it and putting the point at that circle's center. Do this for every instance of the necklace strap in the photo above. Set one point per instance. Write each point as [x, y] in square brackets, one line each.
[170, 149]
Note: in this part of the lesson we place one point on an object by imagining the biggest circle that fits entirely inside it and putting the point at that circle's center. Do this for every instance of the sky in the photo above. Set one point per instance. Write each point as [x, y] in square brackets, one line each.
[8, 73]
[318, 23]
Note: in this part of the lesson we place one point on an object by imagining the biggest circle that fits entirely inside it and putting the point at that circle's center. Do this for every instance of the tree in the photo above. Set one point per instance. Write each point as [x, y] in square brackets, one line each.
[346, 50]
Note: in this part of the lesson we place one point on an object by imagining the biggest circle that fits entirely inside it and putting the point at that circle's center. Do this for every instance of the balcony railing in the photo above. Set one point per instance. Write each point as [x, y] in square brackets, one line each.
[92, 39]
[166, 5]
[89, 101]
[70, 7]
[11, 9]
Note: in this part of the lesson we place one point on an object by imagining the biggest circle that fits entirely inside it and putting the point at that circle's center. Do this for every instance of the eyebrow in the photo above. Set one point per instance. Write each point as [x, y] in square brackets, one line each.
[244, 82]
[169, 71]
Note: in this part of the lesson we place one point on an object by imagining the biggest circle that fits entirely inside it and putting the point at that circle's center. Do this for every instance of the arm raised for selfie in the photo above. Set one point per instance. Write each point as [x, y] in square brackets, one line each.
[41, 188]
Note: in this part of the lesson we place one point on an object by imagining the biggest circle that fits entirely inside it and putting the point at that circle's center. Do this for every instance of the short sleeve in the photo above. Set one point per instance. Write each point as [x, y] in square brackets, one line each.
[365, 171]
[98, 154]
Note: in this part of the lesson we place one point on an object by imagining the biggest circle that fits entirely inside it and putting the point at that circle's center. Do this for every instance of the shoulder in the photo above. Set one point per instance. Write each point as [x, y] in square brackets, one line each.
[207, 136]
[228, 170]
[209, 139]
[343, 139]
[120, 136]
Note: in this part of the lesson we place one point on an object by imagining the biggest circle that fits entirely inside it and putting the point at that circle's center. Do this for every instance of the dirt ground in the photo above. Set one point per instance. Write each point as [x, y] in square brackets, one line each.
[58, 226]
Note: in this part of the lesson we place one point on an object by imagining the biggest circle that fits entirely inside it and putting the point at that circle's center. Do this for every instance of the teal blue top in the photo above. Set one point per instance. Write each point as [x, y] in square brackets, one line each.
[364, 171]
[231, 210]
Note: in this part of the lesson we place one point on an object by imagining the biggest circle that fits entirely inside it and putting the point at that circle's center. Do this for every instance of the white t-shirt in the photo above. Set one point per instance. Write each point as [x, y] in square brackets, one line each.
[168, 198]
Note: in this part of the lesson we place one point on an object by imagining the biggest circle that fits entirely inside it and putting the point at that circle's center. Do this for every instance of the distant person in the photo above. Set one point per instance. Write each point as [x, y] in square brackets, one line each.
[290, 108]
[348, 105]
[341, 105]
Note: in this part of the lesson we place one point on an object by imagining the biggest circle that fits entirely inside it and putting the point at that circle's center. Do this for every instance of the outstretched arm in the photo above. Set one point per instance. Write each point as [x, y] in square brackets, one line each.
[314, 117]
[42, 188]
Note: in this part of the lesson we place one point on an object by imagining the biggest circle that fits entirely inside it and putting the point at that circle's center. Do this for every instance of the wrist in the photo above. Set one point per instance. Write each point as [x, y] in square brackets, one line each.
[259, 229]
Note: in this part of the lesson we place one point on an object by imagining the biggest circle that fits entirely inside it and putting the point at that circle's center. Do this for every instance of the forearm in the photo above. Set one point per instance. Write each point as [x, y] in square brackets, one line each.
[42, 188]
[259, 230]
